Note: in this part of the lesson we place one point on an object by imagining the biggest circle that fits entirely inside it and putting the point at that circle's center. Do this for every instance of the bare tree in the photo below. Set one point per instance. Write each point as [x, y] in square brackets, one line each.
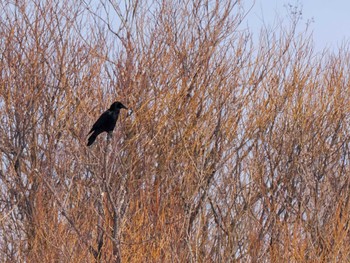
[237, 150]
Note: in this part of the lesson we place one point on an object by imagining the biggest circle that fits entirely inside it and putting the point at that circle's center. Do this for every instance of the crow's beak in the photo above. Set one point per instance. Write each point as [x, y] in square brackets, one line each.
[121, 106]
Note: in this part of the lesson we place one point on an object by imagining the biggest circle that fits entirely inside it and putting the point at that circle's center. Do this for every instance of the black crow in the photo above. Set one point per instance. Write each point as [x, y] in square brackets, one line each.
[106, 122]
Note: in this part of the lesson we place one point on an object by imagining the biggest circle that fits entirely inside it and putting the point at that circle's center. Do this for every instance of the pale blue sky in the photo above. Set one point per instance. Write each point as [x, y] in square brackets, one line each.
[331, 19]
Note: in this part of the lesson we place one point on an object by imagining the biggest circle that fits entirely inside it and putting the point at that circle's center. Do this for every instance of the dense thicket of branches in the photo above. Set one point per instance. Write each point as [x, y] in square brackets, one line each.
[236, 151]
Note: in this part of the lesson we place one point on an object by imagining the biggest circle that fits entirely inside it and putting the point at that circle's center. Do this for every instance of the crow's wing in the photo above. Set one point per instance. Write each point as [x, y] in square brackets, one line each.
[101, 122]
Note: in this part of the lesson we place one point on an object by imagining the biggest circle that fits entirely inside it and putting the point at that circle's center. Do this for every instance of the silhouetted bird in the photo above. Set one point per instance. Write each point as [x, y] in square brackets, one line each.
[106, 122]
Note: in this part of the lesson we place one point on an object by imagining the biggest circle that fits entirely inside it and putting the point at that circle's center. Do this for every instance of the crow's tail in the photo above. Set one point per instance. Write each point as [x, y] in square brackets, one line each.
[92, 138]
